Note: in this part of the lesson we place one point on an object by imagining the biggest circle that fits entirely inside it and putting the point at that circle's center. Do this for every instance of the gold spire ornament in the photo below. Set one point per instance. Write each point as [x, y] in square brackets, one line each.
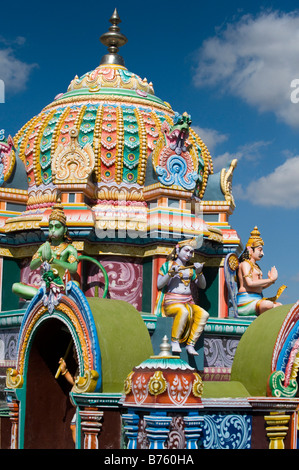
[255, 239]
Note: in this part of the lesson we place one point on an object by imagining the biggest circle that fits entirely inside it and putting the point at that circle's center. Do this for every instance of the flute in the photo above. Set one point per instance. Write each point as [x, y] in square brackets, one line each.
[181, 268]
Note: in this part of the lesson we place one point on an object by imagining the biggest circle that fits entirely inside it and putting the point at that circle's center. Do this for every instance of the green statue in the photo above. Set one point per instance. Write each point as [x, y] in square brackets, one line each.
[58, 253]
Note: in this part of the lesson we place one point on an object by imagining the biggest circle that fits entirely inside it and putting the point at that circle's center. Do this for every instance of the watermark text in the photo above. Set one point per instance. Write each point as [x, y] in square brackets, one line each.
[295, 92]
[2, 91]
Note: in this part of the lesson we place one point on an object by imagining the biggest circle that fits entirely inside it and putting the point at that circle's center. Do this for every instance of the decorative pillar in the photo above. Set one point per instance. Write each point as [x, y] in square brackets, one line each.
[91, 426]
[277, 429]
[14, 417]
[157, 430]
[192, 430]
[223, 304]
[131, 421]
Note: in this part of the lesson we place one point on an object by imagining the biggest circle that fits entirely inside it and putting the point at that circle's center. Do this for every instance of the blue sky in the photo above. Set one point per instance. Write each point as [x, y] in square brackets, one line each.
[228, 64]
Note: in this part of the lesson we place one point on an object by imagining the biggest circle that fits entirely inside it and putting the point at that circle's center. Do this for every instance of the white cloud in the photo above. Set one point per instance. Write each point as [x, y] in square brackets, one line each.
[278, 189]
[211, 137]
[255, 59]
[223, 160]
[250, 151]
[13, 72]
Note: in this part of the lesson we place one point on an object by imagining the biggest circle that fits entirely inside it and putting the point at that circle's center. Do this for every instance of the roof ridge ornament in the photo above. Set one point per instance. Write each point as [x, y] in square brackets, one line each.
[113, 39]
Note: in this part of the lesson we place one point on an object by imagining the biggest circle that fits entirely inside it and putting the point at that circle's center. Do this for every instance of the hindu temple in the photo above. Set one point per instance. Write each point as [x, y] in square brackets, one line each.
[123, 179]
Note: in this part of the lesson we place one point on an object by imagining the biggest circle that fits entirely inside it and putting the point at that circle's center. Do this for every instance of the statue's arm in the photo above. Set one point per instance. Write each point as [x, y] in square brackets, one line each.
[36, 260]
[163, 280]
[166, 273]
[200, 280]
[72, 260]
[248, 282]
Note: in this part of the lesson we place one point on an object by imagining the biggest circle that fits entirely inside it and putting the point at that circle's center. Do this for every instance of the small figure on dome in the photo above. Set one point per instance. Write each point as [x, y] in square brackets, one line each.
[175, 297]
[58, 253]
[250, 300]
[177, 135]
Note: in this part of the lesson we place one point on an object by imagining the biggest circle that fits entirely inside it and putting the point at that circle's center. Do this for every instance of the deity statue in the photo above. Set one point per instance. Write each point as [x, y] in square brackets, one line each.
[58, 256]
[250, 300]
[70, 378]
[175, 297]
[174, 157]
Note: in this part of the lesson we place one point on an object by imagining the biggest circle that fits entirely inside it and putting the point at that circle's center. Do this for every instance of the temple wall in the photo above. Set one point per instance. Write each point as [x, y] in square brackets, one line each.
[125, 279]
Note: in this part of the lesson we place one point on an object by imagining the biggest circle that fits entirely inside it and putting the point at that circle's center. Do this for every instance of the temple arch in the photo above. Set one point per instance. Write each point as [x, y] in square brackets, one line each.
[49, 410]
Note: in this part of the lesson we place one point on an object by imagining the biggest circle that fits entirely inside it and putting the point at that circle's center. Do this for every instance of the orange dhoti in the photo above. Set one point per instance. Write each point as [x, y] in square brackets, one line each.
[189, 319]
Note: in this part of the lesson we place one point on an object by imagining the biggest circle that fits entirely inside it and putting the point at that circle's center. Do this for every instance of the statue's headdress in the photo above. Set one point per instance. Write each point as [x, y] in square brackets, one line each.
[58, 213]
[194, 242]
[255, 239]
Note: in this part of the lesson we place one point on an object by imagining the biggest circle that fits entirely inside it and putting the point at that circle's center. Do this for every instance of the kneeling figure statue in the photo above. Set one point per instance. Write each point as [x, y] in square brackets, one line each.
[250, 299]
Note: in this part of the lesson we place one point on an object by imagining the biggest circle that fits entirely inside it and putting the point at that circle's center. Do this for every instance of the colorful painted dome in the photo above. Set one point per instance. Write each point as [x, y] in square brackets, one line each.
[109, 76]
[163, 381]
[99, 135]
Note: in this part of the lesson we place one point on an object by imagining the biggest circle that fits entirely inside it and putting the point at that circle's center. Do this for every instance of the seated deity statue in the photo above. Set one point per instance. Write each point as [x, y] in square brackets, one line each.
[58, 253]
[250, 299]
[175, 297]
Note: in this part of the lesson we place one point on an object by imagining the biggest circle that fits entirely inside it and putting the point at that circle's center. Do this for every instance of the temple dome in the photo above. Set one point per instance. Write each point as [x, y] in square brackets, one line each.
[111, 76]
[111, 121]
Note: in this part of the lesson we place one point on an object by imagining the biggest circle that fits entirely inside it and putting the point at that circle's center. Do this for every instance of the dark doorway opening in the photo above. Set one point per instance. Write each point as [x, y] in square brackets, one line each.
[48, 407]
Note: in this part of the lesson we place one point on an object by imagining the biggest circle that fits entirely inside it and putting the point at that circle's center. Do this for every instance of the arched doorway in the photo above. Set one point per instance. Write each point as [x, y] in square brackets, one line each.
[48, 408]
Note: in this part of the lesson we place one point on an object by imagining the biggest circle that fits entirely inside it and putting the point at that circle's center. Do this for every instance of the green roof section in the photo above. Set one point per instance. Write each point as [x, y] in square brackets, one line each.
[230, 389]
[89, 93]
[123, 338]
[252, 361]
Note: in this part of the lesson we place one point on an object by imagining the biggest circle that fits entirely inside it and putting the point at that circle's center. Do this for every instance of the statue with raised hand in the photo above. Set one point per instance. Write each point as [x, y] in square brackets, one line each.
[58, 255]
[250, 300]
[175, 297]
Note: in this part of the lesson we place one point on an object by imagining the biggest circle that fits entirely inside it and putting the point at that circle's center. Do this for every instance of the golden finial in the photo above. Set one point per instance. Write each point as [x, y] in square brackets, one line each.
[165, 348]
[113, 39]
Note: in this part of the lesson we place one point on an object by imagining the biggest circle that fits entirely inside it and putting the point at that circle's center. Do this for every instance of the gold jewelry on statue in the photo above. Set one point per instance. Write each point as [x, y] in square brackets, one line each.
[59, 249]
[186, 281]
[72, 259]
[63, 373]
[252, 267]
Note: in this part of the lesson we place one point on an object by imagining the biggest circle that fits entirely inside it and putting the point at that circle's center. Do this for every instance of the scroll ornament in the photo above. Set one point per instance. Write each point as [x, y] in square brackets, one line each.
[14, 379]
[87, 383]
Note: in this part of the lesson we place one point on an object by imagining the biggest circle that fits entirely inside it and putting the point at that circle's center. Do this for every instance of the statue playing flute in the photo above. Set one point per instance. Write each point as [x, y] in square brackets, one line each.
[175, 297]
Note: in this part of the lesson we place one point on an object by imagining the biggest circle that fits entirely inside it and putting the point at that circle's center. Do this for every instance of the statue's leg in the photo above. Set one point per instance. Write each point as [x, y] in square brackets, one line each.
[200, 318]
[265, 305]
[180, 314]
[24, 291]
